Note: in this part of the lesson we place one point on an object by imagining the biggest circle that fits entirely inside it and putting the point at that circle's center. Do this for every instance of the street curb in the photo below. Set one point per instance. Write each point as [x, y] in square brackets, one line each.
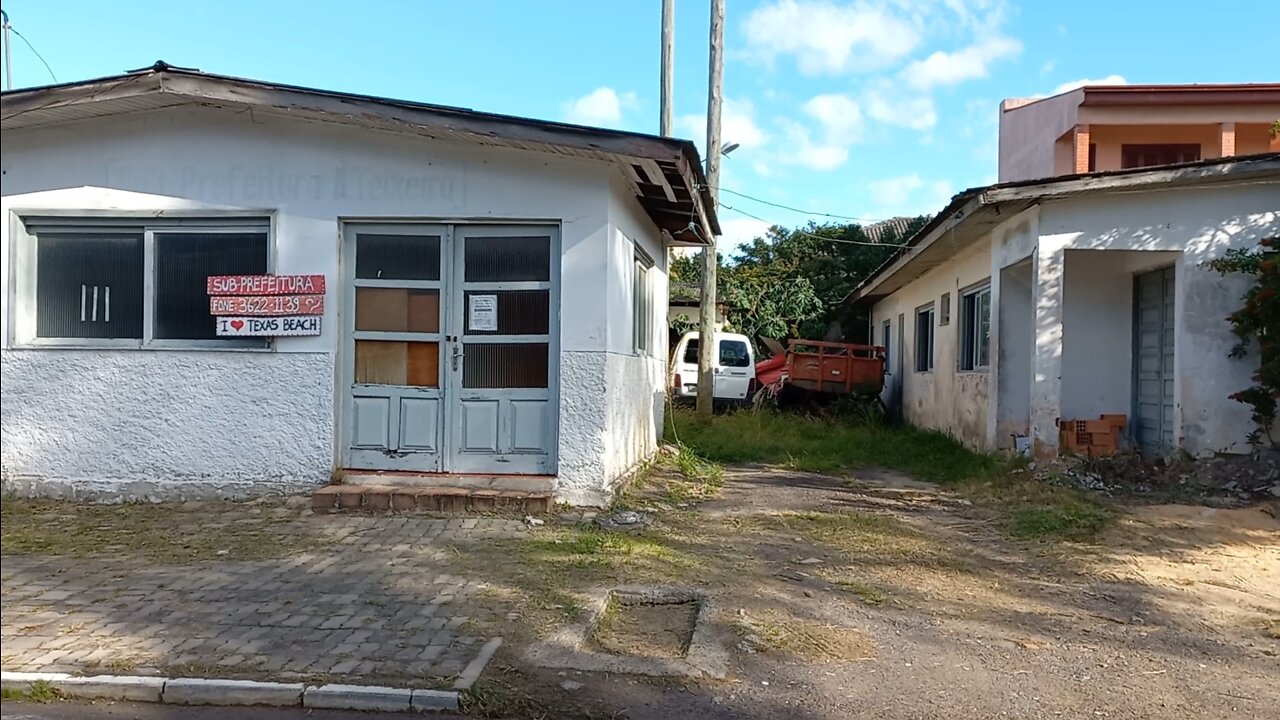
[213, 691]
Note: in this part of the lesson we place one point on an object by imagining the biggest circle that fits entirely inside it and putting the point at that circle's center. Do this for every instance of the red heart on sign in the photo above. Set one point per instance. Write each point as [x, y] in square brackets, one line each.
[237, 324]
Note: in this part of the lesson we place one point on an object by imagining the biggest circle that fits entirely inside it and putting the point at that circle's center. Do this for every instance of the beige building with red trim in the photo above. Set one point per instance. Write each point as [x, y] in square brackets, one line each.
[1117, 127]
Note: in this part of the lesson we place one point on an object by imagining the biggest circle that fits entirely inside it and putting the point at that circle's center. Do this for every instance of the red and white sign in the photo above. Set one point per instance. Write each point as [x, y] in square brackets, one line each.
[265, 285]
[260, 305]
[269, 326]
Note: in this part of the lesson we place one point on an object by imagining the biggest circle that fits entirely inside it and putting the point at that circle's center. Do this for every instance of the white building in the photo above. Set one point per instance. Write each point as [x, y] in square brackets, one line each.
[1027, 302]
[493, 301]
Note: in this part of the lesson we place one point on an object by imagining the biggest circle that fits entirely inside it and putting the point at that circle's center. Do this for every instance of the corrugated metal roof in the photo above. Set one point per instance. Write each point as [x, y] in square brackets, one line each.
[665, 173]
[974, 212]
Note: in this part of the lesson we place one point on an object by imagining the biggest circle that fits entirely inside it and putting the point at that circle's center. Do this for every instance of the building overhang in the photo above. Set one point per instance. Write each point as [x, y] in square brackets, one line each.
[665, 174]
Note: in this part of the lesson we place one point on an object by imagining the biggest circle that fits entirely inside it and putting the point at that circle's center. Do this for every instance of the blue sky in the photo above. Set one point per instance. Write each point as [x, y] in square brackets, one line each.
[869, 108]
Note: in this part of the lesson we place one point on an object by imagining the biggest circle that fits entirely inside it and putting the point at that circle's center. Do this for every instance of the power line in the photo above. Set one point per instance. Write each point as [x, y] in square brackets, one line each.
[37, 52]
[798, 210]
[816, 237]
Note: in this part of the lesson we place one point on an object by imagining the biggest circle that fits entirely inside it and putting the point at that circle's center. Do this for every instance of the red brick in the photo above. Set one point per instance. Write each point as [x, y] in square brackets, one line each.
[538, 504]
[350, 497]
[404, 500]
[324, 500]
[484, 500]
[428, 499]
[377, 500]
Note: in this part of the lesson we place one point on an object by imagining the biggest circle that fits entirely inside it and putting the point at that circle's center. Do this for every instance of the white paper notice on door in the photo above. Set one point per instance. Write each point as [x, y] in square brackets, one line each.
[482, 312]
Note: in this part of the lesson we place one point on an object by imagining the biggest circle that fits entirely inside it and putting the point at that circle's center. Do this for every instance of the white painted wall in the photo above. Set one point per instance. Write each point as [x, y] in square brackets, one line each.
[1028, 134]
[1200, 224]
[1097, 329]
[306, 176]
[1014, 344]
[946, 399]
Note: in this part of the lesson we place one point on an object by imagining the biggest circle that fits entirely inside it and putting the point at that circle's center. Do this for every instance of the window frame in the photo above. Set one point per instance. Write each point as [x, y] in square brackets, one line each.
[969, 327]
[642, 324]
[928, 366]
[886, 330]
[24, 257]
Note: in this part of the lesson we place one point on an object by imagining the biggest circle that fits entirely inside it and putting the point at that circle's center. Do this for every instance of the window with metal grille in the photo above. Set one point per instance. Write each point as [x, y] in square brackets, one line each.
[975, 329]
[642, 297]
[121, 282]
[924, 338]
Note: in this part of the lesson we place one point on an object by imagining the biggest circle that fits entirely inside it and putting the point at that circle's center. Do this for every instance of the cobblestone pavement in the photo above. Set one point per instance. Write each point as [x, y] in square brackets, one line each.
[370, 599]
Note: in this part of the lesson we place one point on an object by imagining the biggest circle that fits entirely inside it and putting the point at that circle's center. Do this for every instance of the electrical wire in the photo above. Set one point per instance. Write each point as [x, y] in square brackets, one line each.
[37, 52]
[816, 237]
[798, 210]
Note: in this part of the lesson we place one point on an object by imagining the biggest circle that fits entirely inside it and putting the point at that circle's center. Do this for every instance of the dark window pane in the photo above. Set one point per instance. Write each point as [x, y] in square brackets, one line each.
[691, 352]
[397, 257]
[733, 353]
[89, 286]
[505, 365]
[520, 312]
[508, 259]
[184, 261]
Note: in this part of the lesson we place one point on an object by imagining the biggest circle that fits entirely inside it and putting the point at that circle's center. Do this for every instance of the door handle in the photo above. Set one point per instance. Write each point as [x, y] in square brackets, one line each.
[457, 355]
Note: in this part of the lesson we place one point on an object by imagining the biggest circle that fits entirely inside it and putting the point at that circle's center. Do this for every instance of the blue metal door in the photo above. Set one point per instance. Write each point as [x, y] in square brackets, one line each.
[1153, 362]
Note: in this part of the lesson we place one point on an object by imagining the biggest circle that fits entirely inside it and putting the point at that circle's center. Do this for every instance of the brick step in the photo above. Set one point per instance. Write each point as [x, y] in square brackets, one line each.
[407, 499]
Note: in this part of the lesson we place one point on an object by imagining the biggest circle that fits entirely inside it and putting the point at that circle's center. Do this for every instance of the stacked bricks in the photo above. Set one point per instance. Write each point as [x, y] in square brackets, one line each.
[379, 499]
[1095, 438]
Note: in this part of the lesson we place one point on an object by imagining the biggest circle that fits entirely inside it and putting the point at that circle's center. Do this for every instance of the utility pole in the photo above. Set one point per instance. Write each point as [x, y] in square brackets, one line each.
[707, 319]
[668, 61]
[8, 52]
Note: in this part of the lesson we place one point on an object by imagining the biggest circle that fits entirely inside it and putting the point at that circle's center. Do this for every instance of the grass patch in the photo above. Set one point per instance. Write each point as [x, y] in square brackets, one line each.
[1027, 508]
[826, 445]
[1034, 510]
[869, 594]
[41, 691]
[805, 639]
[869, 539]
[166, 533]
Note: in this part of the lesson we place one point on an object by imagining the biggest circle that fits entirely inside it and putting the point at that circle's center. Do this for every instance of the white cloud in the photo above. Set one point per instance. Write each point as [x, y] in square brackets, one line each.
[1108, 80]
[887, 104]
[826, 37]
[909, 195]
[737, 125]
[737, 231]
[839, 116]
[802, 149]
[602, 106]
[972, 62]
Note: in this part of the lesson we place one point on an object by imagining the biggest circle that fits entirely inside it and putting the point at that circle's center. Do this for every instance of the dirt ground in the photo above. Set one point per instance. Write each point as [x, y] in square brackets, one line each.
[876, 596]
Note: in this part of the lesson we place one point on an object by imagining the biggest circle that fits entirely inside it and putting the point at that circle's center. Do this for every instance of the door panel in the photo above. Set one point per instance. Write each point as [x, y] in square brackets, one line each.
[1153, 362]
[450, 347]
[479, 426]
[502, 371]
[372, 417]
[394, 341]
[420, 424]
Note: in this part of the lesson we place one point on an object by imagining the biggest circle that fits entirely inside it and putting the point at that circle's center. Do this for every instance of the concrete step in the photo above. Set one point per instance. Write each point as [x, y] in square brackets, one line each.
[379, 499]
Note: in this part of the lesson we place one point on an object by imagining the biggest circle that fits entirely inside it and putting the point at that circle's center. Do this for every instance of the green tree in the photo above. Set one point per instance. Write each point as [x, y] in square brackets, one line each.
[792, 283]
[1258, 320]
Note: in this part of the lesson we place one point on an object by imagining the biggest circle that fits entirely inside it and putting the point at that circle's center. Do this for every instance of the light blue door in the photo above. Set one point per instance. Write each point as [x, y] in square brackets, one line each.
[450, 348]
[1153, 362]
[502, 365]
[394, 341]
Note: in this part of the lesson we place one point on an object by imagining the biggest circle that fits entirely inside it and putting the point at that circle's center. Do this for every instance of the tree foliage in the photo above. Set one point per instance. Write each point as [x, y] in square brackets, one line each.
[792, 283]
[1258, 320]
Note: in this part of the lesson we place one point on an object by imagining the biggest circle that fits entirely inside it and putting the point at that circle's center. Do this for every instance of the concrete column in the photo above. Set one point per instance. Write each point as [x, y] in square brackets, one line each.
[1227, 136]
[1081, 149]
[1046, 362]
